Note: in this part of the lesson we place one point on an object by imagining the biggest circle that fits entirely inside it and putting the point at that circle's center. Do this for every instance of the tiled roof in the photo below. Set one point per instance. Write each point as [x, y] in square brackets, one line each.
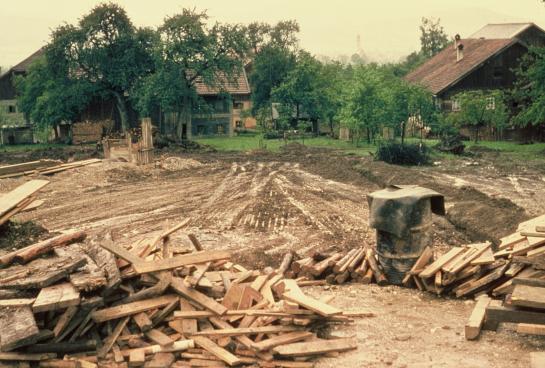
[239, 86]
[502, 30]
[22, 67]
[443, 70]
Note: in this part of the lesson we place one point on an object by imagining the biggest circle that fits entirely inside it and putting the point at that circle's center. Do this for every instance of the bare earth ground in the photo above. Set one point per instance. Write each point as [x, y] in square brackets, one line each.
[260, 205]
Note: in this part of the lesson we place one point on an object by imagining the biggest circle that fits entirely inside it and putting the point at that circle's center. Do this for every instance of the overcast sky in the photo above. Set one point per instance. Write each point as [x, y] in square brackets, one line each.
[388, 28]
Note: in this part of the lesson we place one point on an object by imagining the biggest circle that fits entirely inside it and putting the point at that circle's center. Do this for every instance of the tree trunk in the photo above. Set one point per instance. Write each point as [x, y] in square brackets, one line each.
[331, 127]
[369, 135]
[185, 120]
[402, 132]
[121, 105]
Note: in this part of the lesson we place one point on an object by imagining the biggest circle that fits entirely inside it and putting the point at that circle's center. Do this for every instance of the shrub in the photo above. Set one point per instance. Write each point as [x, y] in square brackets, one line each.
[451, 143]
[403, 154]
[273, 134]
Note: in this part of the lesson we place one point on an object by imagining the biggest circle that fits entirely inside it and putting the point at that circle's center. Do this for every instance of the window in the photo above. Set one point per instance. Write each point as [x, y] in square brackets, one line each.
[12, 109]
[490, 103]
[456, 106]
[498, 72]
[201, 130]
[220, 129]
[239, 124]
[238, 105]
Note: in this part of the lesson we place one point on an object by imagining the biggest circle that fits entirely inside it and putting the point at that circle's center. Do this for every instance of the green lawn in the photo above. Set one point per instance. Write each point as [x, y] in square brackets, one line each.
[247, 143]
[29, 147]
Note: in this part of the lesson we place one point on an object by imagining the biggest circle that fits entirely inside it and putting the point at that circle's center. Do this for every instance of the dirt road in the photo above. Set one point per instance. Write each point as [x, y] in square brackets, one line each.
[262, 205]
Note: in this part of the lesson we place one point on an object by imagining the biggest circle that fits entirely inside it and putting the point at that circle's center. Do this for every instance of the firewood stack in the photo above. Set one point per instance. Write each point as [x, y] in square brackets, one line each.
[66, 303]
[357, 265]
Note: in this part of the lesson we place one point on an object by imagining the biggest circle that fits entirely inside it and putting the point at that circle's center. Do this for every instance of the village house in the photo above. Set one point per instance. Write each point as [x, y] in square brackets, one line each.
[484, 61]
[228, 101]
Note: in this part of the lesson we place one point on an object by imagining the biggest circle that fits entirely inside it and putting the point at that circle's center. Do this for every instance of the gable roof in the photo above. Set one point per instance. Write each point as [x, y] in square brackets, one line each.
[238, 86]
[442, 70]
[22, 67]
[503, 30]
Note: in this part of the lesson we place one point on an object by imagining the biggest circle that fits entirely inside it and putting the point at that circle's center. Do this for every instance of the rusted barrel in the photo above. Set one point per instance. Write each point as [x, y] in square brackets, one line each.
[402, 216]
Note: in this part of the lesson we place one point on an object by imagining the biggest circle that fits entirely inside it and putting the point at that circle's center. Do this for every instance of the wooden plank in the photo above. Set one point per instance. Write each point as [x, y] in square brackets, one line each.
[65, 319]
[510, 314]
[26, 357]
[179, 261]
[16, 302]
[246, 331]
[420, 264]
[11, 199]
[528, 296]
[311, 304]
[161, 360]
[17, 328]
[316, 347]
[486, 257]
[143, 322]
[129, 309]
[473, 285]
[33, 251]
[430, 270]
[283, 339]
[56, 297]
[111, 339]
[537, 359]
[121, 252]
[534, 234]
[21, 168]
[158, 337]
[531, 329]
[472, 253]
[189, 325]
[177, 284]
[476, 320]
[137, 358]
[216, 350]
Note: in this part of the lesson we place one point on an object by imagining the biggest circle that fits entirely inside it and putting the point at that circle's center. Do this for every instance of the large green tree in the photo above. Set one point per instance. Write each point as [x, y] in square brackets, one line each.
[189, 52]
[47, 96]
[479, 109]
[273, 56]
[529, 90]
[302, 94]
[106, 50]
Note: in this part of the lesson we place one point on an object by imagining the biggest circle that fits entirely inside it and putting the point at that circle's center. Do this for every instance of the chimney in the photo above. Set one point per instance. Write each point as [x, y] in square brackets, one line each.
[459, 52]
[457, 39]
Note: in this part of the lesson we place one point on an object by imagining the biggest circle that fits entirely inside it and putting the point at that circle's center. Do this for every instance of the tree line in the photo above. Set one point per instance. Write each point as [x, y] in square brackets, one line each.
[105, 56]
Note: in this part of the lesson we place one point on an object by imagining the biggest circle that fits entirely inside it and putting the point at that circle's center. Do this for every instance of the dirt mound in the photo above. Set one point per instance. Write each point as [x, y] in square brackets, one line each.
[15, 235]
[179, 163]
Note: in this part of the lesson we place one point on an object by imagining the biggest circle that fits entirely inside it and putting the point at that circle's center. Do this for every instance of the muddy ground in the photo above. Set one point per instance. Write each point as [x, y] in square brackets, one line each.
[261, 205]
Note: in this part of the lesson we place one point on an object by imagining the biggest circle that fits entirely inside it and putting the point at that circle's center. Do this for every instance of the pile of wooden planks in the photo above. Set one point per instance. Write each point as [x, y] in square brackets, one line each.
[518, 279]
[65, 303]
[357, 265]
[19, 199]
[43, 167]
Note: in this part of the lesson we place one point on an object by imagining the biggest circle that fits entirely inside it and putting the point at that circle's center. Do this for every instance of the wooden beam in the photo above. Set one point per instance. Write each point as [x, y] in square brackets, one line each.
[111, 339]
[129, 309]
[179, 261]
[311, 304]
[10, 200]
[247, 331]
[283, 339]
[121, 252]
[528, 296]
[430, 270]
[177, 284]
[476, 320]
[216, 350]
[17, 328]
[56, 297]
[315, 347]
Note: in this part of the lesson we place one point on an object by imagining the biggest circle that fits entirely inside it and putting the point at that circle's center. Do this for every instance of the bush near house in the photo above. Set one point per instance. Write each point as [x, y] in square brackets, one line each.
[403, 154]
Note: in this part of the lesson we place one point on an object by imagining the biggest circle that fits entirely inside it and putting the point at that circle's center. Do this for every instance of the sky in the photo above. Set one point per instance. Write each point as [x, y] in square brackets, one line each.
[388, 28]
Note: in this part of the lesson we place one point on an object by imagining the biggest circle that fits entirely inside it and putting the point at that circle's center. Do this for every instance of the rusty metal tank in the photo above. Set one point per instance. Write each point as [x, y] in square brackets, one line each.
[402, 217]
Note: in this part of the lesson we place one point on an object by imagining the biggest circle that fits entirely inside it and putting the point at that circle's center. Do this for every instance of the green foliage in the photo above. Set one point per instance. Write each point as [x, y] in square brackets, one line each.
[403, 154]
[479, 109]
[529, 90]
[188, 52]
[48, 98]
[302, 93]
[433, 38]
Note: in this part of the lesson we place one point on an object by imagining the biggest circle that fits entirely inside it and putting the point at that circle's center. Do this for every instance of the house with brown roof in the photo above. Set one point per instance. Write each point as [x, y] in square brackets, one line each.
[486, 60]
[227, 99]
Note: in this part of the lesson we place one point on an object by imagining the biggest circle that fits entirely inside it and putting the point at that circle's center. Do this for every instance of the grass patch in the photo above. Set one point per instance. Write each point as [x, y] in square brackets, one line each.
[247, 143]
[30, 147]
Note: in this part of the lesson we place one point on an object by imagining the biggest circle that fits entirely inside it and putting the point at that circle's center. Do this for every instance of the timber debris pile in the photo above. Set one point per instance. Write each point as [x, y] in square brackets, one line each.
[42, 167]
[73, 302]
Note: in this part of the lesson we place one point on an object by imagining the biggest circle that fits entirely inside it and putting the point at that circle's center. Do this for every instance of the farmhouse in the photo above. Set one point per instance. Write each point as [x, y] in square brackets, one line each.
[484, 61]
[227, 100]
